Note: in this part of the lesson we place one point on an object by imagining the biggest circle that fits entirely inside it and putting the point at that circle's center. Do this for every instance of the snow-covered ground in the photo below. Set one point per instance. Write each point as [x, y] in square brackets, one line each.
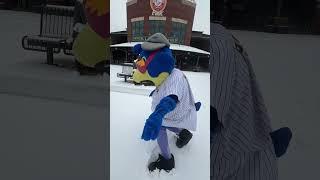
[51, 139]
[53, 122]
[129, 108]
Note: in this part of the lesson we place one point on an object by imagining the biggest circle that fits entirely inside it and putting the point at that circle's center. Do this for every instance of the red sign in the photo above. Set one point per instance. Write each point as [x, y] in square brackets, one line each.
[158, 6]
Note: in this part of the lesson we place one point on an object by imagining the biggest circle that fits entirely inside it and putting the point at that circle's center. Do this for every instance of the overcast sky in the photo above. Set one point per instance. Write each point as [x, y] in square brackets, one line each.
[119, 16]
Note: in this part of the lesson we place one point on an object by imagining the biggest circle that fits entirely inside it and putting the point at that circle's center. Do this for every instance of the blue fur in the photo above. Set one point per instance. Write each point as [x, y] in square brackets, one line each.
[137, 49]
[153, 123]
[145, 54]
[162, 62]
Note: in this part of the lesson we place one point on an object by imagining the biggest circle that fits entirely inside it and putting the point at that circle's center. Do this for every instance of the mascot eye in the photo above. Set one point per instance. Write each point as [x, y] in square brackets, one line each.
[141, 58]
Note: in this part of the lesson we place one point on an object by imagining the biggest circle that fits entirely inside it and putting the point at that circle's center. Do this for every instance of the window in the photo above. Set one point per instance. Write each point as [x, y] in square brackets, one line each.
[178, 33]
[137, 30]
[156, 26]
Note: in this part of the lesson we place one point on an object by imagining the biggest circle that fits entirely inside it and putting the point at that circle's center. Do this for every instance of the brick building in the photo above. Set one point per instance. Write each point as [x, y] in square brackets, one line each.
[174, 18]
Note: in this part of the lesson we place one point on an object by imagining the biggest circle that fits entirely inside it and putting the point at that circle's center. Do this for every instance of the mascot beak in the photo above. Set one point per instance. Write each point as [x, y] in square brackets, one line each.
[141, 65]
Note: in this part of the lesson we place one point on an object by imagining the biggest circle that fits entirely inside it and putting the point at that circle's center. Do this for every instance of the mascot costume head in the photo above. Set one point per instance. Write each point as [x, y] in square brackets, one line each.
[155, 60]
[91, 45]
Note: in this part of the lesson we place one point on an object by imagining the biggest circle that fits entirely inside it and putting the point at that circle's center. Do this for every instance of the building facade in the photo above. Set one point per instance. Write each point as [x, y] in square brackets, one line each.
[173, 18]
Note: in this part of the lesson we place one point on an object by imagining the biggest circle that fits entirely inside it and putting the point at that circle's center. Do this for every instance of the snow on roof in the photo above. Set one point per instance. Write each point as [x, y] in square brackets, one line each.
[174, 47]
[60, 7]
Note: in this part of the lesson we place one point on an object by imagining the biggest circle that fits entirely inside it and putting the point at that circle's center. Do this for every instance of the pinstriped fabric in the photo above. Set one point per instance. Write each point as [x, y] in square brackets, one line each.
[241, 148]
[258, 165]
[184, 115]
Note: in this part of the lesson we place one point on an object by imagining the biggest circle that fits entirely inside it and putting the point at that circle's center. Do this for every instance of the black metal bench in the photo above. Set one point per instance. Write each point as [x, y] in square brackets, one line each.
[278, 25]
[56, 28]
[127, 70]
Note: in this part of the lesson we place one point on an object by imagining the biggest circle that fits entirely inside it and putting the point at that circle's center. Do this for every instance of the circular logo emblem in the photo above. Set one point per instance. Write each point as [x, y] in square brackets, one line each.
[158, 5]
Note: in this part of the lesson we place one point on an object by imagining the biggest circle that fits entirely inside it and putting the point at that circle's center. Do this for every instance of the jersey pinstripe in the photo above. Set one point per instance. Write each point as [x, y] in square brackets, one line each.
[184, 115]
[241, 147]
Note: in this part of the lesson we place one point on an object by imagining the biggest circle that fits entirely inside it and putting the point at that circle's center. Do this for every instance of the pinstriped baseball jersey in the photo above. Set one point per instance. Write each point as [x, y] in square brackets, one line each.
[241, 147]
[184, 115]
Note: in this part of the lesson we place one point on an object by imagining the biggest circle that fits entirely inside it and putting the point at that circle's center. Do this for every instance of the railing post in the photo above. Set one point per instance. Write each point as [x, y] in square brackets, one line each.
[49, 55]
[317, 18]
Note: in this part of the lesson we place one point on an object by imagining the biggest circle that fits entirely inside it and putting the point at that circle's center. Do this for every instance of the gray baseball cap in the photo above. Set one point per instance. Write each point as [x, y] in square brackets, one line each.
[154, 42]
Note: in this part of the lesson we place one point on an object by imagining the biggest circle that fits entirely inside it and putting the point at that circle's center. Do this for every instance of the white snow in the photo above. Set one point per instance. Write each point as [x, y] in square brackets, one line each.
[129, 155]
[53, 121]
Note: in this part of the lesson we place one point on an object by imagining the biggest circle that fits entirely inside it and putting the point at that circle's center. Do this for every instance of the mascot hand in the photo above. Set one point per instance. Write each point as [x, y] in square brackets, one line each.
[151, 129]
[153, 123]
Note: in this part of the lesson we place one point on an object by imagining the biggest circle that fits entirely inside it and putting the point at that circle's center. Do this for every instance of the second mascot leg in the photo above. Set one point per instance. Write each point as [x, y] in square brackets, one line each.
[165, 160]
